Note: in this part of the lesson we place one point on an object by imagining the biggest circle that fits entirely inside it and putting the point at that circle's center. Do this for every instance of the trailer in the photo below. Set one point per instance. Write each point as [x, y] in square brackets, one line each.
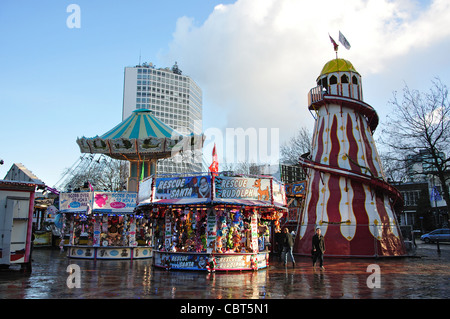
[16, 218]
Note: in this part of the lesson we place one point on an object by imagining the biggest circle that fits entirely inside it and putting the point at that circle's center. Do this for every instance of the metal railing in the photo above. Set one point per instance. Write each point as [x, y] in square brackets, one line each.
[315, 94]
[346, 90]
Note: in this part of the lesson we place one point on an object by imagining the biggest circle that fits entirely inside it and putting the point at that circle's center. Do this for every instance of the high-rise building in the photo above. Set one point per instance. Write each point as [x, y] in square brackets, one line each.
[174, 98]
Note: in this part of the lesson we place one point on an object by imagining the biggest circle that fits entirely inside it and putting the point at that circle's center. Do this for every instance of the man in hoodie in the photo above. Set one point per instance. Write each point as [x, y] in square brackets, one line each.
[288, 244]
[318, 248]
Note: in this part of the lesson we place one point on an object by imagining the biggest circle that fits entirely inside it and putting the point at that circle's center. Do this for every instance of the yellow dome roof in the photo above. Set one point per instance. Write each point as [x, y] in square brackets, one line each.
[338, 65]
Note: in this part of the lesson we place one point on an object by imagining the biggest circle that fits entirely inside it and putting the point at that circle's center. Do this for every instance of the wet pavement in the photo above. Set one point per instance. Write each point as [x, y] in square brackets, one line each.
[425, 276]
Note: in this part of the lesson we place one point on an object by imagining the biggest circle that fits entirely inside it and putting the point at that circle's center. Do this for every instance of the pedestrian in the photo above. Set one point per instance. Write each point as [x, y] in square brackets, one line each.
[288, 244]
[318, 248]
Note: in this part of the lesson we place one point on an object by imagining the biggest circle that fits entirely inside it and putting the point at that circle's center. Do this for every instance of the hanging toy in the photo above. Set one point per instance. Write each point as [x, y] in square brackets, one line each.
[236, 240]
[219, 244]
[230, 238]
[203, 238]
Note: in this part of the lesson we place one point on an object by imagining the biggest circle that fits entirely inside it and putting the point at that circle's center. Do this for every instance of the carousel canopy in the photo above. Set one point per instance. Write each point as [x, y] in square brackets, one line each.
[141, 124]
[140, 136]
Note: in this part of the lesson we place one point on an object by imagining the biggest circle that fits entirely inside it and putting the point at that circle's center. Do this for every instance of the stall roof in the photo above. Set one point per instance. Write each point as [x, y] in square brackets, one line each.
[18, 172]
[207, 201]
[14, 185]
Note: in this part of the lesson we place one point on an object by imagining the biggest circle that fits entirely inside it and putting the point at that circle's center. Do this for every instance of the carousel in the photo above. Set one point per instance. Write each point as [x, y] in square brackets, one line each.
[141, 139]
[104, 225]
[208, 222]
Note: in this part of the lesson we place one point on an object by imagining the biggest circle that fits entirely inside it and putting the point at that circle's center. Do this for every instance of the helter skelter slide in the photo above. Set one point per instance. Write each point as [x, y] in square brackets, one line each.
[347, 195]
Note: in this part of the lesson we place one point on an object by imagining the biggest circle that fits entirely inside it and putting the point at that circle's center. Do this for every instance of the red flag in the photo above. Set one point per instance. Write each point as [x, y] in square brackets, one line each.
[334, 43]
[90, 187]
[214, 167]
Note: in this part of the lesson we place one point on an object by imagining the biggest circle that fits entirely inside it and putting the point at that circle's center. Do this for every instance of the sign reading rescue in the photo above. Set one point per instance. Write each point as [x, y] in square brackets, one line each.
[243, 188]
[183, 187]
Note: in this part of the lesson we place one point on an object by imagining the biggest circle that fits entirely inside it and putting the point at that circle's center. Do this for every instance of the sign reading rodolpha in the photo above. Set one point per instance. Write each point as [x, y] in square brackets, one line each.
[243, 188]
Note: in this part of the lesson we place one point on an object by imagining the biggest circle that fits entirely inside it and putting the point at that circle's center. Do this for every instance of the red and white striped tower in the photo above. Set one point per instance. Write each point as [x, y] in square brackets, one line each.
[347, 194]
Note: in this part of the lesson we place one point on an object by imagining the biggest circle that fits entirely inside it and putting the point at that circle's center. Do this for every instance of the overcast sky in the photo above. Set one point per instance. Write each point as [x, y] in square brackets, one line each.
[255, 61]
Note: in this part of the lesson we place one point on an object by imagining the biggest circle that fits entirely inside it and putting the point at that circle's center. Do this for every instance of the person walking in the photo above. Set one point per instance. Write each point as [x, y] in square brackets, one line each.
[318, 248]
[288, 244]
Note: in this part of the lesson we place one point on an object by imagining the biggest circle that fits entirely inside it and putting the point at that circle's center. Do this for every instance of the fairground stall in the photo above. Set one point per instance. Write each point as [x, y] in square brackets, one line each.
[204, 222]
[16, 218]
[103, 225]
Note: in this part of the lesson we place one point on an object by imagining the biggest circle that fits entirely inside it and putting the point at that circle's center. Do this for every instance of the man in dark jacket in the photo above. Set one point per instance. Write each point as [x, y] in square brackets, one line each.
[288, 244]
[318, 248]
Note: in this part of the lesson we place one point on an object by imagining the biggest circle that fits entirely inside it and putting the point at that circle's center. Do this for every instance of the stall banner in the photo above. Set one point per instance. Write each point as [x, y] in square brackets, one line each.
[279, 194]
[187, 261]
[254, 229]
[114, 202]
[42, 238]
[75, 202]
[97, 233]
[243, 188]
[168, 232]
[181, 261]
[211, 229]
[132, 234]
[295, 189]
[240, 262]
[183, 187]
[145, 191]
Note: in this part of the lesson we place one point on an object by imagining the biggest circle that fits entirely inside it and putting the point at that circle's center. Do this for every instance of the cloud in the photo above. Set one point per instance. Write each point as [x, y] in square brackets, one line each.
[256, 60]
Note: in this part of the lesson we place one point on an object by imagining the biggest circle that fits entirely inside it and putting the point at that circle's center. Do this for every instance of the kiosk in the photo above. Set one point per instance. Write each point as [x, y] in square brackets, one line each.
[103, 225]
[205, 222]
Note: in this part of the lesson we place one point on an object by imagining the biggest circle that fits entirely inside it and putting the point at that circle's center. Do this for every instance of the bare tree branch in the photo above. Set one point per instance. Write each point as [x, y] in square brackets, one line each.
[418, 131]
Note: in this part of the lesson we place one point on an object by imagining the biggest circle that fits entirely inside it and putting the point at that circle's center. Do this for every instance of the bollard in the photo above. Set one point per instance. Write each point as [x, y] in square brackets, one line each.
[438, 247]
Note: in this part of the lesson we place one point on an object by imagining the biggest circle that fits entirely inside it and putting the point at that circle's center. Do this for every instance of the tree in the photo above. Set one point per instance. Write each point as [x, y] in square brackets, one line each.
[424, 220]
[102, 172]
[417, 133]
[393, 170]
[298, 145]
[246, 168]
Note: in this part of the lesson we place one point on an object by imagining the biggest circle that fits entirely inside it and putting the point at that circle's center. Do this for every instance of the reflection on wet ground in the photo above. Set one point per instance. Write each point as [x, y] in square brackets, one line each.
[424, 277]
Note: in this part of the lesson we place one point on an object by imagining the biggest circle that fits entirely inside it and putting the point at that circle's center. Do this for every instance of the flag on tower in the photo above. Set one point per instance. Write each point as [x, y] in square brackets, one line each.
[214, 167]
[334, 43]
[344, 41]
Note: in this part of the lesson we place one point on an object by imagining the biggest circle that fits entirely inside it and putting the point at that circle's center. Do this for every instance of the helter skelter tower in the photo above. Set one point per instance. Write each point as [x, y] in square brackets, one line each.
[347, 195]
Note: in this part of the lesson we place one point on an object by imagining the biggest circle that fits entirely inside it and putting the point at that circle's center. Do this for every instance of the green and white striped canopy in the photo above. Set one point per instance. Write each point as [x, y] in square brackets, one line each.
[141, 124]
[139, 136]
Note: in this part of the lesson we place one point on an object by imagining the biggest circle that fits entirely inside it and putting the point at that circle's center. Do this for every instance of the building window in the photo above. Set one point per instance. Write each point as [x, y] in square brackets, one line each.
[411, 198]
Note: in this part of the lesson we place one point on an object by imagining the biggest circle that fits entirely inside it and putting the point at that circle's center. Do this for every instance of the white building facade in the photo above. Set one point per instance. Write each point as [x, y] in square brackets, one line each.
[174, 98]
